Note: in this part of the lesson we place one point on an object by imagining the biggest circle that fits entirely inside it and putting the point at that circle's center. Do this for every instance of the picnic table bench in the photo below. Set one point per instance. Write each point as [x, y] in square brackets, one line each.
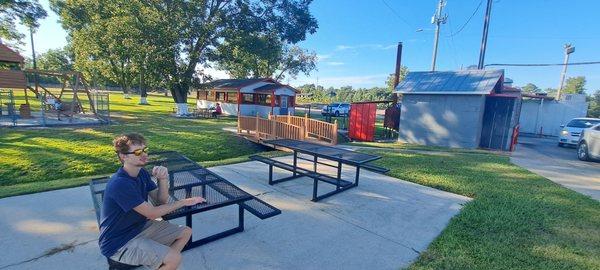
[337, 155]
[188, 179]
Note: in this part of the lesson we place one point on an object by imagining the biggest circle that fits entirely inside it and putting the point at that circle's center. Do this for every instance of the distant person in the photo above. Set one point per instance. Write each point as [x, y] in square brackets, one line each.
[217, 111]
[129, 233]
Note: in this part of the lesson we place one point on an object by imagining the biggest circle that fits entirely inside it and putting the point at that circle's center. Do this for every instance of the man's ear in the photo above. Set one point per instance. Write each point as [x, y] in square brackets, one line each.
[119, 157]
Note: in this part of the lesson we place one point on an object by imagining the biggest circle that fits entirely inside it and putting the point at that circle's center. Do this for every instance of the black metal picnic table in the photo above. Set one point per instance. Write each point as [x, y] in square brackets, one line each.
[338, 155]
[188, 179]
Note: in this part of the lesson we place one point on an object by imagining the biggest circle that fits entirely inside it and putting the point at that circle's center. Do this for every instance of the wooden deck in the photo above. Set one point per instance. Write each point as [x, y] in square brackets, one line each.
[257, 129]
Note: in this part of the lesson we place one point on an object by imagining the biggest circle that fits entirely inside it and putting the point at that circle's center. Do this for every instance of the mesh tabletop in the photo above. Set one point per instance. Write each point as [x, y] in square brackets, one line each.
[328, 152]
[188, 179]
[172, 160]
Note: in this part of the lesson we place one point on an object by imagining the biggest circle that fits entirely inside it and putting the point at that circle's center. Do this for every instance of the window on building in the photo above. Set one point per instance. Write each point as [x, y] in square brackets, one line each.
[220, 96]
[263, 99]
[247, 98]
[291, 101]
[211, 95]
[201, 94]
[232, 97]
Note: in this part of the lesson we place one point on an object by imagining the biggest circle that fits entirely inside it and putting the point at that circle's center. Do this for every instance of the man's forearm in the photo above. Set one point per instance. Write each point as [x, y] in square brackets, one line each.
[163, 191]
[164, 209]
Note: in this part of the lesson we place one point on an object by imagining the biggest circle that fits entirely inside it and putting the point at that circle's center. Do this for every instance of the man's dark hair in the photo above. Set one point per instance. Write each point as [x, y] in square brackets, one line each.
[123, 141]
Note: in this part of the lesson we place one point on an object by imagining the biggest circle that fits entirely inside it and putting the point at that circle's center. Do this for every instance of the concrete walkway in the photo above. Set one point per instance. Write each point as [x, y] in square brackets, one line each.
[384, 223]
[542, 156]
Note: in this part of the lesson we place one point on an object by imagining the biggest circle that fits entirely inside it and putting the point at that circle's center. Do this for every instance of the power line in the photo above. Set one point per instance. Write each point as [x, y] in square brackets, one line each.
[545, 65]
[397, 15]
[468, 20]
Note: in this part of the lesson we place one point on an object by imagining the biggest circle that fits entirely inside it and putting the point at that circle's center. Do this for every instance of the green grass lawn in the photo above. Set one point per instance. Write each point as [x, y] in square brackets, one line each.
[517, 220]
[50, 158]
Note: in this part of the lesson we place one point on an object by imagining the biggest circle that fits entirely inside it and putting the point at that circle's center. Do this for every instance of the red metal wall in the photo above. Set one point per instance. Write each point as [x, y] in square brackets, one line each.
[362, 121]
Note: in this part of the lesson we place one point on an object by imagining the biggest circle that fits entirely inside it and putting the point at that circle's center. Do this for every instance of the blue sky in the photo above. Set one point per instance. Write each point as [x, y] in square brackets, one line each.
[356, 40]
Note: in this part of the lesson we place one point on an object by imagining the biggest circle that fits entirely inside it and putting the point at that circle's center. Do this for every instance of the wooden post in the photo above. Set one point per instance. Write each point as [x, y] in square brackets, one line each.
[273, 128]
[288, 117]
[335, 128]
[305, 135]
[256, 128]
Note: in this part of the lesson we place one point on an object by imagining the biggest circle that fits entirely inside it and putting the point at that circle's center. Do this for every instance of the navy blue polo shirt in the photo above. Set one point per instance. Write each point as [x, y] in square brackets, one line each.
[119, 223]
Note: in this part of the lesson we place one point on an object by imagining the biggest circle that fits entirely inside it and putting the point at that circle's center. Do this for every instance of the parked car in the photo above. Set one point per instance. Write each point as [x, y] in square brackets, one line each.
[589, 144]
[570, 133]
[336, 109]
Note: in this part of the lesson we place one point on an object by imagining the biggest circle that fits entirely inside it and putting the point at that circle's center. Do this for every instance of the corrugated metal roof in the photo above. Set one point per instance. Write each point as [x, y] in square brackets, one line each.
[10, 56]
[450, 82]
[268, 87]
[232, 83]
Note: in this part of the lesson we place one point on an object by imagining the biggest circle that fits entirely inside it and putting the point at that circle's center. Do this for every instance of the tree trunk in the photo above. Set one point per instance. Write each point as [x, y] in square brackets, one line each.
[143, 90]
[179, 92]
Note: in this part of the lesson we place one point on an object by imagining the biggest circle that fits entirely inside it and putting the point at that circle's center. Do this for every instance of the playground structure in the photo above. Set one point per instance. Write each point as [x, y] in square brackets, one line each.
[39, 106]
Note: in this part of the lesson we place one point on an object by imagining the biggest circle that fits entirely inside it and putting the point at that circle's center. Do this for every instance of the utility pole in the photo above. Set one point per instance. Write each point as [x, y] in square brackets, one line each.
[437, 19]
[36, 80]
[486, 25]
[568, 50]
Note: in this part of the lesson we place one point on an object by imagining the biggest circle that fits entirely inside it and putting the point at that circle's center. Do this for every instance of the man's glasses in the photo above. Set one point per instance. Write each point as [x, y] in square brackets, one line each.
[137, 152]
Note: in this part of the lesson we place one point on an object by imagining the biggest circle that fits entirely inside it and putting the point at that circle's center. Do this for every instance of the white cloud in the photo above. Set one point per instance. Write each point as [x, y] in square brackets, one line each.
[334, 63]
[343, 47]
[321, 57]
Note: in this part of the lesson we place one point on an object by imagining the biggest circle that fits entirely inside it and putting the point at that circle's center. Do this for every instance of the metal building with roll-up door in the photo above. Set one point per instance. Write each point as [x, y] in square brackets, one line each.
[466, 109]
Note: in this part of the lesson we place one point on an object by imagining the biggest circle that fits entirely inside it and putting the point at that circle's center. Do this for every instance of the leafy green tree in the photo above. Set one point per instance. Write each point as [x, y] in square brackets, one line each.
[390, 79]
[182, 33]
[56, 60]
[594, 108]
[531, 88]
[550, 91]
[27, 12]
[574, 85]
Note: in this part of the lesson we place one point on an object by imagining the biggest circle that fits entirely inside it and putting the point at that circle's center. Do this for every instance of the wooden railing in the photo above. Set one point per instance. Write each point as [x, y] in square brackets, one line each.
[288, 127]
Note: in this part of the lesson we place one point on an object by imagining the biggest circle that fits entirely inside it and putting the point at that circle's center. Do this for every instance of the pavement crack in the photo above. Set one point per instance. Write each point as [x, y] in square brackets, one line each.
[51, 252]
[369, 231]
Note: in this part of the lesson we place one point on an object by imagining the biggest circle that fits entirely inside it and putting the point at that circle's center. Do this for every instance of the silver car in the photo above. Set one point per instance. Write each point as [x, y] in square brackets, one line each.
[588, 147]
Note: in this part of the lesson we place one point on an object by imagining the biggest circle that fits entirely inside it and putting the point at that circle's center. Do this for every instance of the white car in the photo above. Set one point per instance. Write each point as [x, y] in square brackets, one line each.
[571, 132]
[589, 144]
[336, 109]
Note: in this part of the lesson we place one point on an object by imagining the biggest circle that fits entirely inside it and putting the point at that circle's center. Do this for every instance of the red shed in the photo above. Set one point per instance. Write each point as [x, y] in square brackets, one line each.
[362, 121]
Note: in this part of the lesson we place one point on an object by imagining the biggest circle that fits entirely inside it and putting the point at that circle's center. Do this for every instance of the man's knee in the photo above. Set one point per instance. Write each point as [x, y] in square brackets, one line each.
[186, 233]
[172, 259]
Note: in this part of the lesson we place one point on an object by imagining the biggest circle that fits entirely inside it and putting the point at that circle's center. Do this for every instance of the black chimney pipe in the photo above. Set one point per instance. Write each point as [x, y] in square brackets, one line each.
[398, 65]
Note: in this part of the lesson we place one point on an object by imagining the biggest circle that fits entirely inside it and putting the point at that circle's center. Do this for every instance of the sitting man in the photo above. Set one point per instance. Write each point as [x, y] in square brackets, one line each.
[217, 111]
[129, 233]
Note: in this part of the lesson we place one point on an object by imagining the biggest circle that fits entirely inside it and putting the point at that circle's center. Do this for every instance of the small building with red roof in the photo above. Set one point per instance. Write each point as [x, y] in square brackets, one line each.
[262, 96]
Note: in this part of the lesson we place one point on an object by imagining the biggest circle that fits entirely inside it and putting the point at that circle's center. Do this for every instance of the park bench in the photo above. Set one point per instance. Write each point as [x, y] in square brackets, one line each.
[315, 151]
[298, 170]
[188, 179]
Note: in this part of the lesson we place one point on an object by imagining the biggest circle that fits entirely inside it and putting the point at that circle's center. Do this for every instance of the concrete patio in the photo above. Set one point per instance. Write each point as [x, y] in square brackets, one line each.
[384, 223]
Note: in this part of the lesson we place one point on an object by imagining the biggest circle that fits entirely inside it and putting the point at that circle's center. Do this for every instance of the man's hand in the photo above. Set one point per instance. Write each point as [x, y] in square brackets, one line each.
[192, 201]
[160, 172]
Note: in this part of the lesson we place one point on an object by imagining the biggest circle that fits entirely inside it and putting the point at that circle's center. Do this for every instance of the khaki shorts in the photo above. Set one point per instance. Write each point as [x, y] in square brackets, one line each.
[150, 247]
